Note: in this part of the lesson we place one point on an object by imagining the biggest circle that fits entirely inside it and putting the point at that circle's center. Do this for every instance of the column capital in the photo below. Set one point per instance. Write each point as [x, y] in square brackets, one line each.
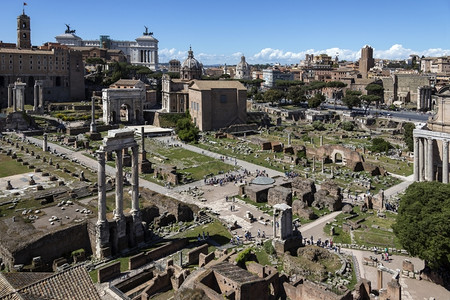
[430, 140]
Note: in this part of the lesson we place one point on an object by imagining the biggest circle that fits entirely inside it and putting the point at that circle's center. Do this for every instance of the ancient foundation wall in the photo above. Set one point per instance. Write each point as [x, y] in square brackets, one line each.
[109, 272]
[55, 244]
[194, 253]
[204, 259]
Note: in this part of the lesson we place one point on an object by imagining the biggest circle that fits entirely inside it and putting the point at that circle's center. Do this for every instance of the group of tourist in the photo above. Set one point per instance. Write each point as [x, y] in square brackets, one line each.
[327, 244]
[290, 174]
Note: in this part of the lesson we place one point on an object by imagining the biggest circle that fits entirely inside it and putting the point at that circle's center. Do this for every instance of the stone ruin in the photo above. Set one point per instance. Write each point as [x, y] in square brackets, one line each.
[347, 156]
[113, 236]
[329, 196]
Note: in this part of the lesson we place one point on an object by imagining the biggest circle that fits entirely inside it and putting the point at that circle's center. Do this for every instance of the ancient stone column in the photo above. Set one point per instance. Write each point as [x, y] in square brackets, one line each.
[14, 104]
[101, 186]
[135, 181]
[289, 139]
[445, 161]
[274, 224]
[119, 186]
[416, 159]
[143, 142]
[314, 164]
[430, 159]
[321, 140]
[421, 160]
[10, 95]
[20, 97]
[36, 96]
[44, 143]
[93, 127]
[379, 279]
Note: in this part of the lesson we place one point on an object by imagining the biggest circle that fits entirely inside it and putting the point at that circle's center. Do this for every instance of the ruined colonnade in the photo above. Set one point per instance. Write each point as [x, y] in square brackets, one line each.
[117, 141]
[425, 168]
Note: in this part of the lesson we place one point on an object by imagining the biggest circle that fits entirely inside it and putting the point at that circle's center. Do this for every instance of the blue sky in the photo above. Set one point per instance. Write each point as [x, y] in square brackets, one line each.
[264, 31]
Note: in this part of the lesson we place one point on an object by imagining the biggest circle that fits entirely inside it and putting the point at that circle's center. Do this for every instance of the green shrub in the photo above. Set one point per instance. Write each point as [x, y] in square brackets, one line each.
[268, 247]
[243, 256]
[348, 126]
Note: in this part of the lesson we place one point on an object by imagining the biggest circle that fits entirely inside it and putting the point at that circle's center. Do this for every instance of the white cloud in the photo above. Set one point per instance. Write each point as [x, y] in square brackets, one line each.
[270, 55]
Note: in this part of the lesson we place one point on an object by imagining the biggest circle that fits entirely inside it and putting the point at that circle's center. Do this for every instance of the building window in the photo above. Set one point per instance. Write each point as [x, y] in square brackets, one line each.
[223, 98]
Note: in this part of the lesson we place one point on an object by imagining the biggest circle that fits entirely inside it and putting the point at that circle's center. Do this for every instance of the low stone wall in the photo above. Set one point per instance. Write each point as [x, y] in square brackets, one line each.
[137, 260]
[160, 282]
[143, 258]
[204, 259]
[109, 272]
[51, 245]
[193, 255]
[166, 249]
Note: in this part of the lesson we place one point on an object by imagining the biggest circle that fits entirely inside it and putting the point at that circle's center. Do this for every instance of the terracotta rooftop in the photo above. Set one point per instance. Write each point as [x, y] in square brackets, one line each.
[72, 284]
[217, 84]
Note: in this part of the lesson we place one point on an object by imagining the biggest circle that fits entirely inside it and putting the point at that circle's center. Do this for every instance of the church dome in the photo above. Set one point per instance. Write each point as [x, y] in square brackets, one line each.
[190, 62]
[242, 65]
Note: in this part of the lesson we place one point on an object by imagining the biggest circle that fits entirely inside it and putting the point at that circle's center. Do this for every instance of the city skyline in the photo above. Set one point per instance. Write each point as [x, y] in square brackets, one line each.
[220, 33]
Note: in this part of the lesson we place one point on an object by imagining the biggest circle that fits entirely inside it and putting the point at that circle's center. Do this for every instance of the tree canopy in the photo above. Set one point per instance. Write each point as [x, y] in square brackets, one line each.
[408, 135]
[296, 94]
[380, 145]
[273, 95]
[352, 99]
[423, 226]
[186, 130]
[316, 100]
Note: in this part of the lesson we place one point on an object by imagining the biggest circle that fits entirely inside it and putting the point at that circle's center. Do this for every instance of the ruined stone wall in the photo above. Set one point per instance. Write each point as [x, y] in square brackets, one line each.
[194, 253]
[166, 249]
[181, 211]
[311, 291]
[109, 272]
[279, 194]
[204, 259]
[55, 244]
[160, 282]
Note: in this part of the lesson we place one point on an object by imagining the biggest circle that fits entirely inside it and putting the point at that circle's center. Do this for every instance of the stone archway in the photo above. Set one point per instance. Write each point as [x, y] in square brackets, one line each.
[125, 114]
[115, 99]
[337, 158]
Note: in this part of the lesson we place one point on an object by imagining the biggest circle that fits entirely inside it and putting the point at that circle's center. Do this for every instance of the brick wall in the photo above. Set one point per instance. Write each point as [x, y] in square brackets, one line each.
[109, 272]
[193, 255]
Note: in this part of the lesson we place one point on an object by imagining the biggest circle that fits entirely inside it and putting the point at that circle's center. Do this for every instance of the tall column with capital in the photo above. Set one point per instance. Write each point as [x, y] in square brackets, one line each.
[134, 180]
[119, 186]
[416, 159]
[430, 159]
[102, 228]
[101, 186]
[445, 161]
[138, 232]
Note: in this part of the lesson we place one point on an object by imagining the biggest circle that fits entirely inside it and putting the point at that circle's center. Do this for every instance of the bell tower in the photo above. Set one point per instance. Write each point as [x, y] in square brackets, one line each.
[23, 32]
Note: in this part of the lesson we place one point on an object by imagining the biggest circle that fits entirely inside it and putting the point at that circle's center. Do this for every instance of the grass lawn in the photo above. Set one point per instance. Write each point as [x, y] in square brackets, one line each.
[217, 231]
[11, 167]
[262, 256]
